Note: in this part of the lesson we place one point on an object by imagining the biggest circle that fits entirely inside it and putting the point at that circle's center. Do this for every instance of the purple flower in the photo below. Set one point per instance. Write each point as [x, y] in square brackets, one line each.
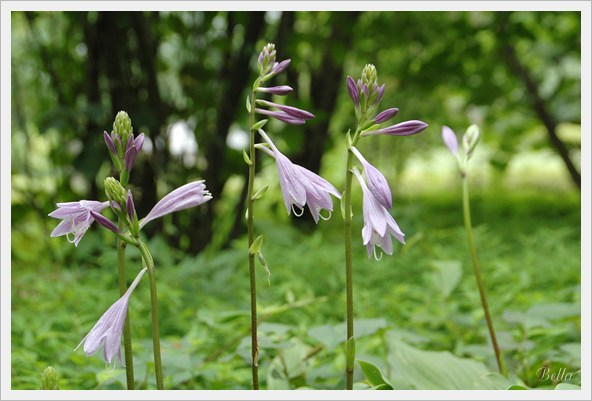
[377, 183]
[189, 195]
[76, 218]
[379, 225]
[450, 140]
[129, 205]
[405, 128]
[105, 222]
[385, 115]
[109, 142]
[352, 88]
[107, 331]
[301, 186]
[276, 90]
[280, 67]
[280, 115]
[287, 112]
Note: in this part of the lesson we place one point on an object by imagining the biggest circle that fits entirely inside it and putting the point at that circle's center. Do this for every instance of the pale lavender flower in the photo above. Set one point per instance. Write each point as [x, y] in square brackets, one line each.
[107, 331]
[105, 222]
[301, 186]
[386, 115]
[280, 115]
[184, 197]
[76, 218]
[405, 128]
[450, 140]
[280, 67]
[377, 183]
[379, 225]
[276, 90]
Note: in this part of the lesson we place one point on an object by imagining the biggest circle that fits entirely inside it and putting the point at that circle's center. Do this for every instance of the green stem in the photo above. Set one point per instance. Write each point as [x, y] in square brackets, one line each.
[349, 294]
[251, 236]
[127, 334]
[149, 262]
[468, 227]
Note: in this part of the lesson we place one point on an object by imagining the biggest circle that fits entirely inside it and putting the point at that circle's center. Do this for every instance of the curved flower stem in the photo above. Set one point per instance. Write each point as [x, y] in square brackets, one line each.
[251, 236]
[149, 262]
[127, 334]
[468, 227]
[349, 294]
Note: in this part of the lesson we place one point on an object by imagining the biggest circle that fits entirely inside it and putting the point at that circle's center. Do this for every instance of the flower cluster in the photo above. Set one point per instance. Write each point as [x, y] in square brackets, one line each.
[379, 225]
[269, 68]
[78, 216]
[299, 185]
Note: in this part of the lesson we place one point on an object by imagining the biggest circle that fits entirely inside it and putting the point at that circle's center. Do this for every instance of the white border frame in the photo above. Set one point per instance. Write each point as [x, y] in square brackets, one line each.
[5, 190]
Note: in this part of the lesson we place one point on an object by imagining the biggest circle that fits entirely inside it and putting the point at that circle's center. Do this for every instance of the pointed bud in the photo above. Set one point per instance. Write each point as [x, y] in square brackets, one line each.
[122, 126]
[405, 128]
[450, 140]
[276, 90]
[109, 142]
[386, 115]
[49, 379]
[129, 205]
[130, 157]
[470, 139]
[352, 89]
[105, 222]
[139, 142]
[114, 191]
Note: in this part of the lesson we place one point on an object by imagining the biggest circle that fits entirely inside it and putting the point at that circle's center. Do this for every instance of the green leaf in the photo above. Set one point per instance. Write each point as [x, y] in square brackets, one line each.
[247, 159]
[567, 386]
[256, 245]
[447, 275]
[413, 368]
[517, 387]
[259, 194]
[374, 376]
[258, 125]
[248, 104]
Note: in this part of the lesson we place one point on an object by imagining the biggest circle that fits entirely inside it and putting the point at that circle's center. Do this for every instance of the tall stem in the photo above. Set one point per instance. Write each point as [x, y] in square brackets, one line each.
[149, 262]
[349, 294]
[127, 334]
[468, 227]
[251, 235]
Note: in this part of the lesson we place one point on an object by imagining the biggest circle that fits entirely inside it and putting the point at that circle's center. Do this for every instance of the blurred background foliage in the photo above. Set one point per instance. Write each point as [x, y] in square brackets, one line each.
[183, 78]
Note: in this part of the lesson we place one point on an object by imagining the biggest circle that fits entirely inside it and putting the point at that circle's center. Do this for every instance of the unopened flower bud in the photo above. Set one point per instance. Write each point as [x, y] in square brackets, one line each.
[114, 191]
[49, 379]
[470, 139]
[105, 222]
[386, 115]
[266, 58]
[122, 126]
[369, 76]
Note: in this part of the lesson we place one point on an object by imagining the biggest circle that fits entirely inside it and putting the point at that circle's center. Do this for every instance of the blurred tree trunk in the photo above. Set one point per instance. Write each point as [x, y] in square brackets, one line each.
[233, 77]
[538, 103]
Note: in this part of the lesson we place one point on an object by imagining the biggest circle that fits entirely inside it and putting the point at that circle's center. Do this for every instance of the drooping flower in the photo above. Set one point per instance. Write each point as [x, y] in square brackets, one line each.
[405, 128]
[184, 197]
[301, 186]
[377, 183]
[379, 225]
[76, 218]
[450, 140]
[107, 331]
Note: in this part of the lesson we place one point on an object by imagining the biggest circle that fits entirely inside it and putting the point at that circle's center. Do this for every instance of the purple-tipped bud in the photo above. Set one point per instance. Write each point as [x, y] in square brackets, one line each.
[450, 140]
[130, 157]
[109, 142]
[139, 142]
[130, 142]
[365, 91]
[282, 116]
[405, 128]
[105, 222]
[281, 66]
[352, 88]
[276, 90]
[380, 93]
[129, 205]
[291, 111]
[386, 115]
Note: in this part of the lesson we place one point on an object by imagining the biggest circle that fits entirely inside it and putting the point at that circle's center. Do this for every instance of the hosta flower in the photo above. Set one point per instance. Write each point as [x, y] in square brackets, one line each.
[376, 181]
[287, 114]
[107, 331]
[405, 128]
[189, 195]
[76, 218]
[379, 225]
[275, 90]
[450, 140]
[300, 186]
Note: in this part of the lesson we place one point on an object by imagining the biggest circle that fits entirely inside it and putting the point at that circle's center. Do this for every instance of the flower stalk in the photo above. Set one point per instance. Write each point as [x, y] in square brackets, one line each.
[127, 334]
